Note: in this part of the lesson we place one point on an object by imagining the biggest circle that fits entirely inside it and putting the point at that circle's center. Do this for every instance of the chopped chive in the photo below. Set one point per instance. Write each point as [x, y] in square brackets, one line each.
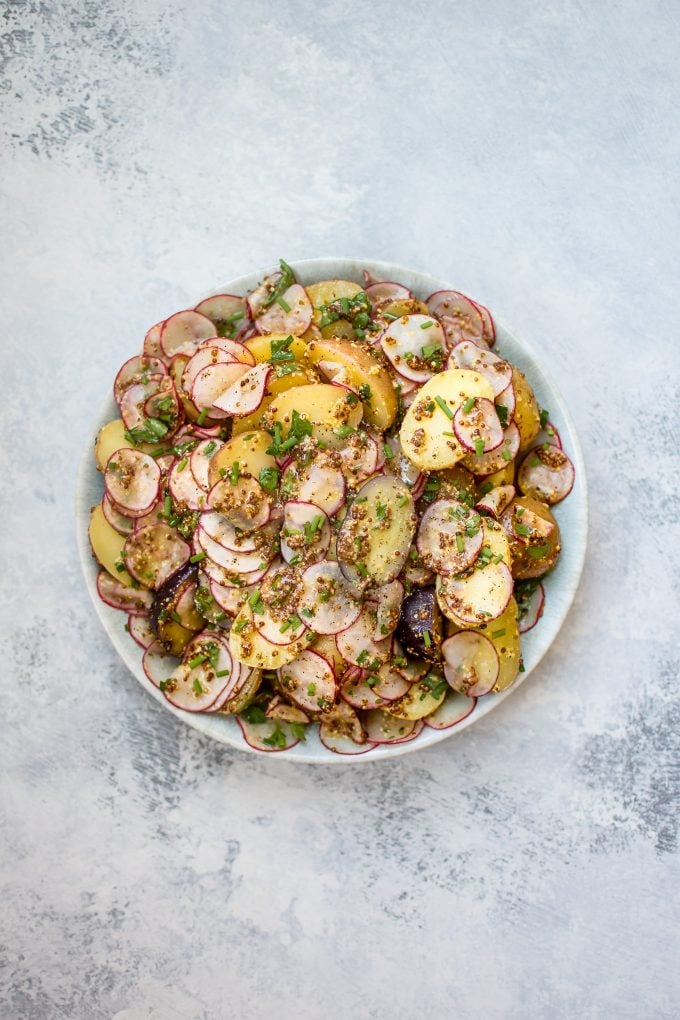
[239, 625]
[426, 325]
[444, 406]
[479, 447]
[460, 543]
[388, 451]
[506, 455]
[182, 464]
[202, 416]
[234, 475]
[468, 405]
[282, 303]
[389, 316]
[210, 448]
[198, 690]
[197, 660]
[498, 633]
[197, 557]
[521, 529]
[427, 641]
[537, 551]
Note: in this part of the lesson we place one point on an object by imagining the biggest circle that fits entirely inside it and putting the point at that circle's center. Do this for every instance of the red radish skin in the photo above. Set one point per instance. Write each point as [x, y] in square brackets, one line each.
[546, 473]
[134, 370]
[309, 681]
[185, 490]
[133, 400]
[204, 357]
[152, 342]
[452, 711]
[328, 602]
[497, 500]
[549, 435]
[383, 291]
[139, 629]
[183, 331]
[466, 322]
[496, 371]
[132, 480]
[478, 429]
[232, 562]
[213, 383]
[196, 688]
[487, 319]
[295, 320]
[488, 463]
[319, 483]
[360, 695]
[157, 664]
[246, 394]
[153, 554]
[403, 342]
[230, 579]
[118, 521]
[225, 534]
[471, 663]
[507, 400]
[534, 610]
[228, 309]
[357, 645]
[232, 348]
[243, 502]
[118, 596]
[444, 543]
[199, 461]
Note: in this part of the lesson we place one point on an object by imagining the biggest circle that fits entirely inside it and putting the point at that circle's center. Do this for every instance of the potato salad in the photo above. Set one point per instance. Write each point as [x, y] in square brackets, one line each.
[328, 505]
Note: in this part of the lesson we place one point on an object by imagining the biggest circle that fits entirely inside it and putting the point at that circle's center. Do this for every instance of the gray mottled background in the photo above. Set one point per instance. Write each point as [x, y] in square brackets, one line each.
[527, 151]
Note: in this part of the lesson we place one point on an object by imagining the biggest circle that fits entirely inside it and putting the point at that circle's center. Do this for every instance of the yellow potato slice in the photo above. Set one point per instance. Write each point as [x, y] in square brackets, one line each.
[527, 414]
[427, 431]
[111, 437]
[504, 635]
[496, 540]
[107, 545]
[325, 406]
[330, 290]
[506, 476]
[261, 346]
[248, 646]
[363, 369]
[275, 386]
[418, 702]
[248, 449]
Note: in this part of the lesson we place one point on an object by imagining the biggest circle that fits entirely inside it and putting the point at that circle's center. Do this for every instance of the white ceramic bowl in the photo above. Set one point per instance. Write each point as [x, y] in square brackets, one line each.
[560, 586]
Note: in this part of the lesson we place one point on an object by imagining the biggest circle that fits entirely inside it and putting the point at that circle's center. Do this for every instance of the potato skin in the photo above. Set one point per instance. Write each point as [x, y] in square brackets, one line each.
[523, 564]
[420, 612]
[363, 369]
[107, 545]
[527, 414]
[173, 634]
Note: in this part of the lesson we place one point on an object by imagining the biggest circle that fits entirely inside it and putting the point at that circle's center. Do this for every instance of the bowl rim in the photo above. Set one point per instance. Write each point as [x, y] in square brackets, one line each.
[340, 267]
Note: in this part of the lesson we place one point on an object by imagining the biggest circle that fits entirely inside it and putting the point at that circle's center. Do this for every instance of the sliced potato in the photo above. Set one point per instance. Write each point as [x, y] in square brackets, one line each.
[427, 433]
[276, 385]
[506, 476]
[406, 306]
[363, 369]
[325, 406]
[248, 449]
[111, 437]
[107, 545]
[341, 328]
[504, 635]
[527, 414]
[536, 552]
[377, 532]
[495, 539]
[249, 647]
[330, 290]
[261, 346]
[421, 699]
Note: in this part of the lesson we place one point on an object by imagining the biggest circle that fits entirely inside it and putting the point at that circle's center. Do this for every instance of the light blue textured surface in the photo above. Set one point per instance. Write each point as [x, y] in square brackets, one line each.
[529, 153]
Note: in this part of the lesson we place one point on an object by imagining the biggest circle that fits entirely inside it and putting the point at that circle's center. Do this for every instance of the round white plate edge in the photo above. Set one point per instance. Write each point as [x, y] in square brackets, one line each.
[572, 516]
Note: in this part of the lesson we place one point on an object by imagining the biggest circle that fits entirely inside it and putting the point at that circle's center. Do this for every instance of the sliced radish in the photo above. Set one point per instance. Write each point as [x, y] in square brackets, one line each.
[464, 315]
[417, 575]
[452, 710]
[119, 596]
[497, 500]
[403, 342]
[213, 383]
[549, 435]
[232, 562]
[506, 401]
[360, 691]
[360, 458]
[158, 664]
[336, 374]
[383, 728]
[137, 369]
[477, 597]
[132, 479]
[277, 630]
[488, 463]
[388, 599]
[233, 348]
[309, 681]
[140, 630]
[230, 579]
[531, 609]
[489, 325]
[199, 461]
[152, 342]
[292, 313]
[328, 602]
[229, 600]
[118, 521]
[319, 483]
[203, 674]
[546, 473]
[357, 644]
[205, 357]
[239, 676]
[154, 514]
[454, 335]
[133, 400]
[185, 490]
[471, 663]
[280, 709]
[224, 533]
[339, 743]
[153, 554]
[243, 502]
[183, 331]
[272, 735]
[383, 291]
[496, 371]
[392, 684]
[224, 309]
[449, 537]
[478, 427]
[245, 395]
[305, 534]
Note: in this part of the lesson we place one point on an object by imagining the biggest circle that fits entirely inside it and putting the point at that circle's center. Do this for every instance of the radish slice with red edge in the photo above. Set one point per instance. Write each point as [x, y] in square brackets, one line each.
[327, 602]
[203, 673]
[452, 711]
[487, 319]
[488, 463]
[163, 404]
[185, 490]
[546, 473]
[158, 664]
[232, 348]
[139, 629]
[276, 630]
[506, 402]
[132, 480]
[391, 683]
[319, 483]
[243, 502]
[357, 645]
[153, 554]
[496, 371]
[464, 315]
[152, 342]
[229, 578]
[136, 369]
[213, 383]
[359, 691]
[477, 426]
[336, 374]
[272, 735]
[404, 340]
[118, 521]
[225, 310]
[388, 599]
[280, 709]
[361, 457]
[497, 500]
[549, 435]
[449, 537]
[229, 600]
[530, 607]
[305, 534]
[119, 596]
[199, 461]
[204, 357]
[225, 534]
[239, 676]
[232, 562]
[471, 663]
[339, 743]
[183, 331]
[383, 728]
[478, 596]
[244, 396]
[290, 314]
[309, 681]
[133, 399]
[383, 291]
